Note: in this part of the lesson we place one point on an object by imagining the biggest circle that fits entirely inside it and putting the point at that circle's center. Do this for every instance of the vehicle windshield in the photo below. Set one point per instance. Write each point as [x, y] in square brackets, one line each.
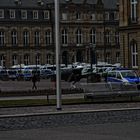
[11, 72]
[129, 74]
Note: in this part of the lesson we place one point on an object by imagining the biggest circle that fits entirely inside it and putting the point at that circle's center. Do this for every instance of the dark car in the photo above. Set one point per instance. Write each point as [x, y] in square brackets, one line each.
[4, 75]
[46, 73]
[12, 74]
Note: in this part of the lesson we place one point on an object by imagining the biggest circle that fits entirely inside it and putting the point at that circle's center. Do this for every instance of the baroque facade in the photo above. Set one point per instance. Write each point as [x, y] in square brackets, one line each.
[130, 33]
[27, 31]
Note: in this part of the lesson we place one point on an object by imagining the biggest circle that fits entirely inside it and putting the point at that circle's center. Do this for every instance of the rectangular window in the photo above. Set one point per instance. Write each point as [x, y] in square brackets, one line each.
[64, 16]
[93, 17]
[14, 38]
[116, 15]
[108, 57]
[78, 16]
[14, 60]
[93, 36]
[37, 38]
[26, 38]
[134, 51]
[106, 15]
[107, 37]
[117, 38]
[2, 38]
[12, 14]
[26, 59]
[2, 60]
[78, 37]
[35, 14]
[118, 57]
[48, 59]
[37, 59]
[64, 37]
[111, 16]
[48, 36]
[1, 13]
[23, 14]
[134, 10]
[46, 14]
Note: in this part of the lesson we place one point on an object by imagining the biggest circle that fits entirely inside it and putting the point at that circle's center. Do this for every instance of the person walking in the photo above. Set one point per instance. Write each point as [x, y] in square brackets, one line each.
[74, 77]
[34, 80]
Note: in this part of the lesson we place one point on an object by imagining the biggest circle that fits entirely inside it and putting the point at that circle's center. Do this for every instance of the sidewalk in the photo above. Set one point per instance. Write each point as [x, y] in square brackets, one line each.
[13, 111]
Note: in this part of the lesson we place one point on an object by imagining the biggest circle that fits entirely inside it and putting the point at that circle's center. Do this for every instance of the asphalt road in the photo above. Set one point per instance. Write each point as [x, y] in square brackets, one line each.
[109, 131]
[45, 84]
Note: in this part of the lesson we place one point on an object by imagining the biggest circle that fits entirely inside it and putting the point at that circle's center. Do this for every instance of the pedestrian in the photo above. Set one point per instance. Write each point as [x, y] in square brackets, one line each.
[34, 80]
[74, 77]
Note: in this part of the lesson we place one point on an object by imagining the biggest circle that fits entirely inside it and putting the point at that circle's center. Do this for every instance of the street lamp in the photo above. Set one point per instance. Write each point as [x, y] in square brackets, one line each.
[58, 74]
[92, 48]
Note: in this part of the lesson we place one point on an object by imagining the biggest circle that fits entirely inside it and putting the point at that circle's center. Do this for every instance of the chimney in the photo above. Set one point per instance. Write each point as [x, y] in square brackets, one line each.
[85, 1]
[18, 2]
[99, 2]
[40, 2]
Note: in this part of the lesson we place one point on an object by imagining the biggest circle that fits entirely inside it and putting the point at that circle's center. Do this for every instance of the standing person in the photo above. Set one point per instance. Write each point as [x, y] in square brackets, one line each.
[34, 80]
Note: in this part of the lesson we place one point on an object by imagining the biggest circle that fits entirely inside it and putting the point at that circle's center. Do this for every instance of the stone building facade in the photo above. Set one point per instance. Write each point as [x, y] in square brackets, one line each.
[130, 33]
[27, 31]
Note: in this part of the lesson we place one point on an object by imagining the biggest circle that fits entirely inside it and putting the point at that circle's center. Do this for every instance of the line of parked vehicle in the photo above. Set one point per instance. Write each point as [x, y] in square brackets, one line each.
[111, 73]
[23, 72]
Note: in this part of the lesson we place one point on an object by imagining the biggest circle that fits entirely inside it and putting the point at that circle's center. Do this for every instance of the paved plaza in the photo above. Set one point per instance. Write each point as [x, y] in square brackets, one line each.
[110, 131]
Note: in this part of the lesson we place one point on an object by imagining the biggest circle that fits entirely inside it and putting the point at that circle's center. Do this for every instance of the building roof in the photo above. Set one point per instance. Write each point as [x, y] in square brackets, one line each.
[109, 4]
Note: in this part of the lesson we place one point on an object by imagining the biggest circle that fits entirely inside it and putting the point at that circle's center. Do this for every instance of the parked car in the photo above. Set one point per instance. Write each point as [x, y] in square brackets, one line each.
[27, 75]
[46, 73]
[123, 76]
[4, 75]
[12, 74]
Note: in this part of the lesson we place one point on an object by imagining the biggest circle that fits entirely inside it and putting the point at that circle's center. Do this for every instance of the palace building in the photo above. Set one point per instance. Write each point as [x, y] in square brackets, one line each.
[27, 31]
[130, 33]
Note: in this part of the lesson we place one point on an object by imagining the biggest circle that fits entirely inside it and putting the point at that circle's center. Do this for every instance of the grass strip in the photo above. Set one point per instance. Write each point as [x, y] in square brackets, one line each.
[40, 102]
[45, 102]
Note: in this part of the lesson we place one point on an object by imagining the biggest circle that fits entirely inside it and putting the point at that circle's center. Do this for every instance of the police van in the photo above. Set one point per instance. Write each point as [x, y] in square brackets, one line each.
[123, 76]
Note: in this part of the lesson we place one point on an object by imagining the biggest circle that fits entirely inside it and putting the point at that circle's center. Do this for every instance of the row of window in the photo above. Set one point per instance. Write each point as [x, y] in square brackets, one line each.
[35, 14]
[93, 16]
[24, 14]
[64, 37]
[16, 59]
[26, 38]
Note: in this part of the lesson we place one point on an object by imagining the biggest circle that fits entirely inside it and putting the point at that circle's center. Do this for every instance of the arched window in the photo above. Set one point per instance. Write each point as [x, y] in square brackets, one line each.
[134, 54]
[93, 36]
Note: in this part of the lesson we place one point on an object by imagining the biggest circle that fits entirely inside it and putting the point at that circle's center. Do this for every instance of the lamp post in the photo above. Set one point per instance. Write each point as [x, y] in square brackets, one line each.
[36, 57]
[92, 49]
[58, 74]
